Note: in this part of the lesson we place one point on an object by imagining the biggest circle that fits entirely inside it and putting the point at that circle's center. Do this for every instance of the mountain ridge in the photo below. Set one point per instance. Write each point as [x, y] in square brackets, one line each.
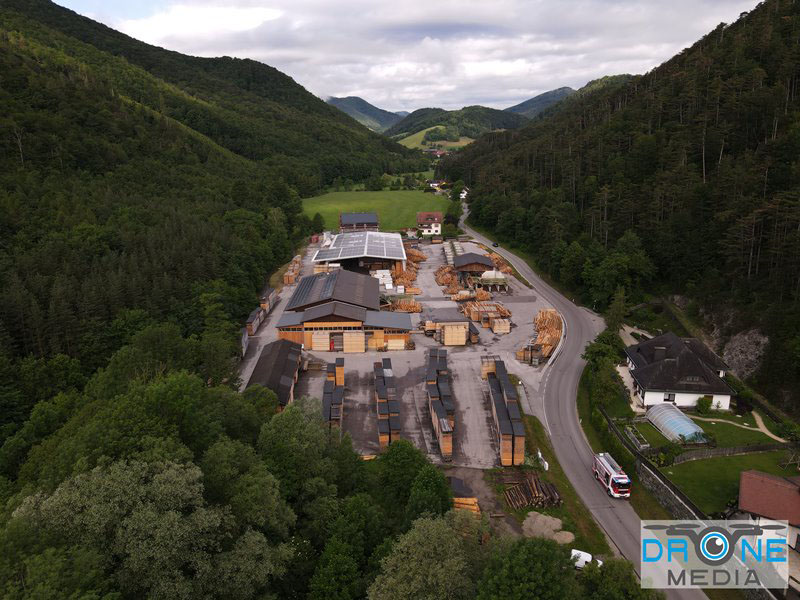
[534, 106]
[367, 114]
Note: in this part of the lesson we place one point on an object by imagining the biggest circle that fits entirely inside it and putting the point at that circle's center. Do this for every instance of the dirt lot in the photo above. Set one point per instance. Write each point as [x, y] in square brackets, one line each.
[474, 444]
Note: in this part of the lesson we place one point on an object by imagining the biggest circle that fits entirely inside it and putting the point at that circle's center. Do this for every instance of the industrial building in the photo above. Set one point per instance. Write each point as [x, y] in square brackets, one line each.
[363, 251]
[365, 221]
[338, 312]
[277, 368]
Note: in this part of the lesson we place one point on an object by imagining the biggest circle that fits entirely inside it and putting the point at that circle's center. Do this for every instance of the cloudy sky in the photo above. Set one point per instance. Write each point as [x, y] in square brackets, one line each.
[407, 54]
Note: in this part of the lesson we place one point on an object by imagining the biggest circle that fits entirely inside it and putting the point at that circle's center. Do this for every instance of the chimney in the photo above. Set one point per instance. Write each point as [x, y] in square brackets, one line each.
[660, 353]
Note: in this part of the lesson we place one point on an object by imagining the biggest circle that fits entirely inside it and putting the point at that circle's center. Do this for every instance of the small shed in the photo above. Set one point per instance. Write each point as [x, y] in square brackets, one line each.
[472, 262]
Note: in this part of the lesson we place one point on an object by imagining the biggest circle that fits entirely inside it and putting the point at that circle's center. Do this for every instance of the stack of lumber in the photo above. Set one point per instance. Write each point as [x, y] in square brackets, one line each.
[500, 263]
[470, 504]
[387, 404]
[527, 489]
[482, 311]
[482, 295]
[404, 277]
[440, 400]
[415, 255]
[548, 330]
[504, 402]
[333, 399]
[500, 325]
[293, 272]
[415, 291]
[445, 275]
[463, 295]
[488, 365]
[408, 306]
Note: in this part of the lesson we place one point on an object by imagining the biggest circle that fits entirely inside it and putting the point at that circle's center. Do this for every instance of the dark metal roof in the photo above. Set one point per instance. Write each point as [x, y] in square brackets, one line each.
[472, 258]
[667, 363]
[290, 319]
[276, 368]
[362, 218]
[340, 285]
[266, 292]
[387, 320]
[255, 314]
[337, 309]
[383, 425]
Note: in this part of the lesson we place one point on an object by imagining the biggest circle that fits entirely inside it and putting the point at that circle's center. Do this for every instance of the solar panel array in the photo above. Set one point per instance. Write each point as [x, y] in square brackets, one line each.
[373, 244]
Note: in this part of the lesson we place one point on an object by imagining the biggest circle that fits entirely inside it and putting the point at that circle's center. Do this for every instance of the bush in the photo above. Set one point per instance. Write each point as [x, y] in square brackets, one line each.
[704, 405]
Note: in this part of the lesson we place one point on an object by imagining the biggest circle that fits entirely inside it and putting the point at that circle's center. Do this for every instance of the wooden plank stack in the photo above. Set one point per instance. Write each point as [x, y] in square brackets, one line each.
[504, 402]
[333, 394]
[293, 272]
[440, 400]
[499, 325]
[406, 305]
[387, 404]
[445, 276]
[528, 489]
[548, 330]
[482, 312]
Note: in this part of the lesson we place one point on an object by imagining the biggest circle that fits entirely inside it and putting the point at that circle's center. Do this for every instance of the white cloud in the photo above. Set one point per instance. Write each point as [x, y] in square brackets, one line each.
[450, 53]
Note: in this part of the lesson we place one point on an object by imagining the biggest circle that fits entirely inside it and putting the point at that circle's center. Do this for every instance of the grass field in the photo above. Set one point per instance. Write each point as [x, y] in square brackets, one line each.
[712, 482]
[728, 435]
[415, 140]
[396, 210]
[651, 434]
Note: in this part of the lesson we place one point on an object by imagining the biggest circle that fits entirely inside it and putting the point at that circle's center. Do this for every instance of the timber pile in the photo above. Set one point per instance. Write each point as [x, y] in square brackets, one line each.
[470, 504]
[445, 275]
[407, 306]
[414, 291]
[415, 255]
[293, 271]
[548, 330]
[482, 295]
[500, 263]
[404, 277]
[476, 311]
[527, 489]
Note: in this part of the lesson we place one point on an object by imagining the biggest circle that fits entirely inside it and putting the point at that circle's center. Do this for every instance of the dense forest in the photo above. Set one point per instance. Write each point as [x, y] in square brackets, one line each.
[683, 180]
[470, 121]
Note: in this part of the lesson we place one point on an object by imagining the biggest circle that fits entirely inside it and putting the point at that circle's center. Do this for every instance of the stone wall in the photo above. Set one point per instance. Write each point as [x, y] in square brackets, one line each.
[667, 498]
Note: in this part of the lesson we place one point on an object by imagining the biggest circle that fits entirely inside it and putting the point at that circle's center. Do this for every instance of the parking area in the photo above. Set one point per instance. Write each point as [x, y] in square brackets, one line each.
[474, 442]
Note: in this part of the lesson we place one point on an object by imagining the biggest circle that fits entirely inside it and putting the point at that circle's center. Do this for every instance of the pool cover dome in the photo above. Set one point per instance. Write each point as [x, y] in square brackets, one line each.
[675, 425]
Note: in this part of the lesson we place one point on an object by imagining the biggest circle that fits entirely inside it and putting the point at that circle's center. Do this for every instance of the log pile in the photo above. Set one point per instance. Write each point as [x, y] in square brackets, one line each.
[404, 277]
[407, 306]
[445, 276]
[470, 504]
[482, 295]
[415, 255]
[548, 330]
[415, 291]
[527, 489]
[500, 263]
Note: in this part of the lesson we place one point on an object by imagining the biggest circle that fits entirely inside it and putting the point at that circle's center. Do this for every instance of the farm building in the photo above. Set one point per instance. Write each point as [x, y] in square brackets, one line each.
[362, 251]
[675, 425]
[338, 312]
[358, 222]
[430, 223]
[765, 498]
[277, 369]
[668, 368]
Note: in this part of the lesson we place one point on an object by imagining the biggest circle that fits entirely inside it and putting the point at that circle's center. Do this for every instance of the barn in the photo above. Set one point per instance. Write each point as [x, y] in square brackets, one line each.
[338, 312]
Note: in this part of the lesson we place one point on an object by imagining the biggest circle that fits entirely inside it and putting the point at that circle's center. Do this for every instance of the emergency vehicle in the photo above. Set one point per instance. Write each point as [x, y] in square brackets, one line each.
[611, 476]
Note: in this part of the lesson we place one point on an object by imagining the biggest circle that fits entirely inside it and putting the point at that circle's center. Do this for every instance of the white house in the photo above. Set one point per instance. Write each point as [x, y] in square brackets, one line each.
[678, 370]
[430, 223]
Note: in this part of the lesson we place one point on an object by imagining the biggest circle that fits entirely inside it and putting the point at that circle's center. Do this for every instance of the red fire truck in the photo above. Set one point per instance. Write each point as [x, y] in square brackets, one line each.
[611, 476]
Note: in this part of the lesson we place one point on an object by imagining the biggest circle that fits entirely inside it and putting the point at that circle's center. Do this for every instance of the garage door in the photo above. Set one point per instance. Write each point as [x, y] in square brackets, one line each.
[354, 341]
[396, 344]
[320, 341]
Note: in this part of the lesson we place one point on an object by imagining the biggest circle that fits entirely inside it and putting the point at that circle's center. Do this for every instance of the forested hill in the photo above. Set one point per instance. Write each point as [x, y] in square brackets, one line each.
[128, 200]
[244, 106]
[365, 113]
[697, 159]
[533, 106]
[470, 121]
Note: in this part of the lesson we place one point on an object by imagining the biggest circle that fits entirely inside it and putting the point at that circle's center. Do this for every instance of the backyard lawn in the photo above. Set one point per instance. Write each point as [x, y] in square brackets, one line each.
[396, 210]
[712, 482]
[728, 435]
[652, 435]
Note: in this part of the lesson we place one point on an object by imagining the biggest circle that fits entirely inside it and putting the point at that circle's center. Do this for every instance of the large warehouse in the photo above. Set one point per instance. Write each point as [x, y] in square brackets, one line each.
[363, 251]
[338, 312]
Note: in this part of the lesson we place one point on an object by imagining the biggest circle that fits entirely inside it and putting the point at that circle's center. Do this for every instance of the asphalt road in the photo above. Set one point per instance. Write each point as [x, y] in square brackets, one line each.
[560, 389]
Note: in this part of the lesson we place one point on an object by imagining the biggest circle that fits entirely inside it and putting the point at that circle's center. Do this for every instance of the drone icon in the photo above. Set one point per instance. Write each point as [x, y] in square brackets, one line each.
[714, 545]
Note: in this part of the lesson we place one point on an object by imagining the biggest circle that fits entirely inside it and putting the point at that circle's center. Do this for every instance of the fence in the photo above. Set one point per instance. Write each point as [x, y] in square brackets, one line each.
[731, 451]
[679, 503]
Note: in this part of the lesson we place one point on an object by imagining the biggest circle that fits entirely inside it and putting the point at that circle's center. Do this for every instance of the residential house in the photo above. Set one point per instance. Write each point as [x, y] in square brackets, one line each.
[668, 368]
[430, 223]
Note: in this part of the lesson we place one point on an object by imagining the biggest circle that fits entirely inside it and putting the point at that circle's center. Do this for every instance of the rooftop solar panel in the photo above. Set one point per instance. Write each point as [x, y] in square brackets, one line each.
[354, 245]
